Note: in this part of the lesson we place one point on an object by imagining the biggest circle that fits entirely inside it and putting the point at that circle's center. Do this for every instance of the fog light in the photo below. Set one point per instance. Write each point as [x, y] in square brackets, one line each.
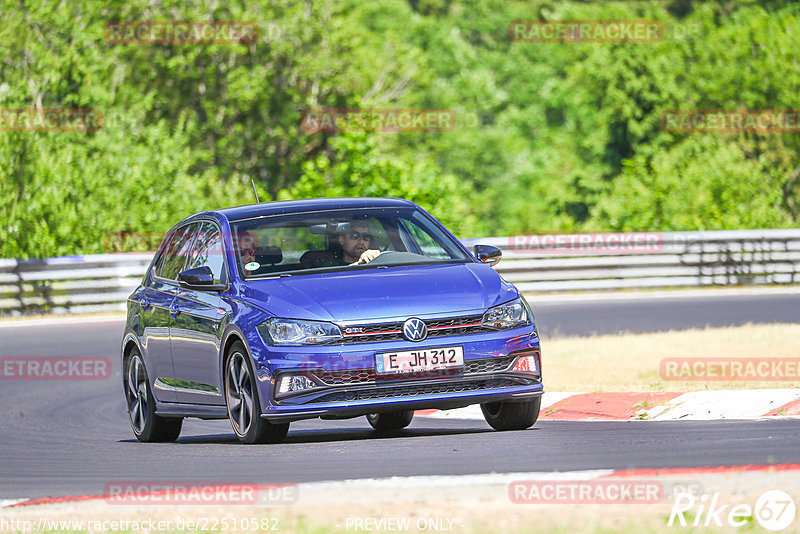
[527, 364]
[292, 383]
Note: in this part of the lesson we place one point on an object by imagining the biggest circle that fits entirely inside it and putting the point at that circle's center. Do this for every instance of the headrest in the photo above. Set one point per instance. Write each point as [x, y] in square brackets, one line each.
[269, 255]
[317, 258]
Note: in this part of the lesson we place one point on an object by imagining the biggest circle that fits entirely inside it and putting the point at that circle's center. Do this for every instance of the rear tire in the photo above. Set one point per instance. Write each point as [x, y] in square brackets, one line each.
[242, 400]
[146, 425]
[391, 420]
[512, 415]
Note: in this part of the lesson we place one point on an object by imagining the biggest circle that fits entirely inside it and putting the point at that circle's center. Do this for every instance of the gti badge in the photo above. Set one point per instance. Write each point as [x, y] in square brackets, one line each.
[415, 330]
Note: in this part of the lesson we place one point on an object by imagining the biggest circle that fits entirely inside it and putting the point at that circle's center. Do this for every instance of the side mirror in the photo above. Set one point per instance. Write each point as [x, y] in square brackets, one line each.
[488, 254]
[197, 278]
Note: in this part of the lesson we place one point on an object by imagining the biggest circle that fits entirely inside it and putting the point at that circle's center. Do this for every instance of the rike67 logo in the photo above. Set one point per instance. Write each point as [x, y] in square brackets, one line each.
[774, 510]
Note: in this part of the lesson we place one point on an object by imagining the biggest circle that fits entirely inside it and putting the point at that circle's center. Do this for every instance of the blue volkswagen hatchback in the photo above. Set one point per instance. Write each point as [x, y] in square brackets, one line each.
[330, 308]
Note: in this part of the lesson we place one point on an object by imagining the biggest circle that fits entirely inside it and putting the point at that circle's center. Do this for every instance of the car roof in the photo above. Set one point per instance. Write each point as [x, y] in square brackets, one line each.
[298, 206]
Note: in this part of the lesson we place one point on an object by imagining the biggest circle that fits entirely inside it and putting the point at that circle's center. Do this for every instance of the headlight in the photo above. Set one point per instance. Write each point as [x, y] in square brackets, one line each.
[277, 331]
[509, 315]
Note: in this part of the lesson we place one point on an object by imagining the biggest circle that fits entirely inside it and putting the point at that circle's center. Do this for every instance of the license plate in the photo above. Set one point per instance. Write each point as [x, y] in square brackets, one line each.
[418, 361]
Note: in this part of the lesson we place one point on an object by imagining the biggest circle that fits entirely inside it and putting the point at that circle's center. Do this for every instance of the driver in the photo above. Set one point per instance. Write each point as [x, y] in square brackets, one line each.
[355, 244]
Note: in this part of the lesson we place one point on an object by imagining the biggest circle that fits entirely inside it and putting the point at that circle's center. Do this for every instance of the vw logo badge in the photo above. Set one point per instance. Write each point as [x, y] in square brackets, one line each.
[415, 330]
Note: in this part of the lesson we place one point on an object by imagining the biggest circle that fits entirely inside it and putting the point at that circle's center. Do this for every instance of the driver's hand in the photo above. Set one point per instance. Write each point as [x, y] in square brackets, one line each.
[367, 256]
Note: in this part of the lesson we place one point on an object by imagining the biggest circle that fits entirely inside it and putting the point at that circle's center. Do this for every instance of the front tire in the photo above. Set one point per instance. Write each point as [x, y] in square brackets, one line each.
[146, 425]
[507, 415]
[244, 407]
[391, 420]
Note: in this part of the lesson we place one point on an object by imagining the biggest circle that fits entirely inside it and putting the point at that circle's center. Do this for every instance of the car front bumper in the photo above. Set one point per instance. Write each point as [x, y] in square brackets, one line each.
[346, 384]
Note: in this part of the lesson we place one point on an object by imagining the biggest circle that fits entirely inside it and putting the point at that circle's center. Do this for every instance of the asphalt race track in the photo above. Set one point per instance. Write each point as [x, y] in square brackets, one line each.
[615, 316]
[73, 437]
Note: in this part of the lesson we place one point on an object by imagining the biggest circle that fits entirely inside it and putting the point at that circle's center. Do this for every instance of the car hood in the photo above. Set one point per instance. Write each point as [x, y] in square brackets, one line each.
[383, 293]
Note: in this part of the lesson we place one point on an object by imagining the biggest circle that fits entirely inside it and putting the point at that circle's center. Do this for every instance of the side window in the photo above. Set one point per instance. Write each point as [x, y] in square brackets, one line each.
[425, 242]
[176, 252]
[159, 263]
[207, 250]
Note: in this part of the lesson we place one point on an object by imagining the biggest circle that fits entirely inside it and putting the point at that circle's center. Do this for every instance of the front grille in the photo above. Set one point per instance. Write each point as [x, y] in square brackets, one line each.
[338, 378]
[421, 389]
[451, 326]
[363, 376]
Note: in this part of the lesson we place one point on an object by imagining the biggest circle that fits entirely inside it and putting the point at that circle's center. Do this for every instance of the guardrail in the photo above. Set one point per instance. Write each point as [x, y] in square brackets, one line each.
[668, 259]
[70, 284]
[81, 284]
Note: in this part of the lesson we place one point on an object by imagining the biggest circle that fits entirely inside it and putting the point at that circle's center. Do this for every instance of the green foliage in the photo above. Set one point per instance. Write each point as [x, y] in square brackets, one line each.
[355, 169]
[716, 181]
[548, 137]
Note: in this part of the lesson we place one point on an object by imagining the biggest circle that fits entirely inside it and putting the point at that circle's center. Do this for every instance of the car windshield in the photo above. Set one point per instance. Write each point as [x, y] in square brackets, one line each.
[341, 239]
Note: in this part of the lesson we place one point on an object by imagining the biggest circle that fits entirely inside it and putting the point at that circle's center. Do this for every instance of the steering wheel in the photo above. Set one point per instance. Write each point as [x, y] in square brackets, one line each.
[383, 254]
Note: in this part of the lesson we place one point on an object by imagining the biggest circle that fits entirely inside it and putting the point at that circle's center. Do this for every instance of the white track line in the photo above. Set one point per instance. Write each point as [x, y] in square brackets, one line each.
[10, 502]
[455, 480]
[745, 404]
[62, 320]
[723, 404]
[474, 412]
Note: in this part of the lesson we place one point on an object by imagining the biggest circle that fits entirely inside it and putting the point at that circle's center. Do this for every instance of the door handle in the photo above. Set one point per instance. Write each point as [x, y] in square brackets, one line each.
[144, 303]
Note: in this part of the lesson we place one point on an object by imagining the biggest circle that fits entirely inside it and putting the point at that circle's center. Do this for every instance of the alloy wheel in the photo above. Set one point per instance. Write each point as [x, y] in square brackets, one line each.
[136, 393]
[239, 393]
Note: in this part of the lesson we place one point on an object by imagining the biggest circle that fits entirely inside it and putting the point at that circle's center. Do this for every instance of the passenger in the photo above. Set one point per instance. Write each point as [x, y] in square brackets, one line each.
[248, 243]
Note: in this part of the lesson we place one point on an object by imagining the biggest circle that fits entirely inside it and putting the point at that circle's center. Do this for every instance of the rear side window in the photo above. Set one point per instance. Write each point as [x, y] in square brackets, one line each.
[207, 251]
[176, 252]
